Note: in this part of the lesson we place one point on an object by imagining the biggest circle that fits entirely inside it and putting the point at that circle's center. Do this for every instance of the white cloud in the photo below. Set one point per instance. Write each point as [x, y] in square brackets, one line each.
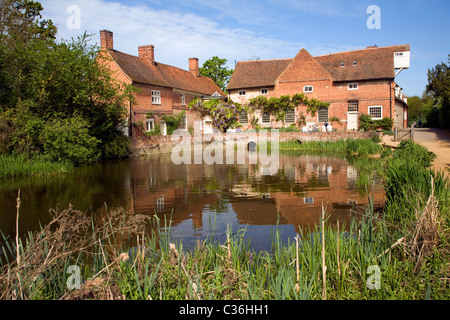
[175, 35]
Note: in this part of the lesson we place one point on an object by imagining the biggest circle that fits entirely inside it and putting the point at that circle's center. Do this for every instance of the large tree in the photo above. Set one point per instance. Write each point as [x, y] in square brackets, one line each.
[215, 68]
[56, 101]
[438, 87]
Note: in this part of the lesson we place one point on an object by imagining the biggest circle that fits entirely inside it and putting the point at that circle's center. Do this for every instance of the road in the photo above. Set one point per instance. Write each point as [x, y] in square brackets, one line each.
[435, 140]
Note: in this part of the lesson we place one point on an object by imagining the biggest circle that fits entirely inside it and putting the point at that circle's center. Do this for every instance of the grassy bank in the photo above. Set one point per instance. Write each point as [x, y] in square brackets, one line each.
[402, 252]
[13, 166]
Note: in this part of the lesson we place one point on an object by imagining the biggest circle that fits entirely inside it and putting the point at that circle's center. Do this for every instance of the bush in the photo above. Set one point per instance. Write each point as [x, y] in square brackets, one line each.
[414, 152]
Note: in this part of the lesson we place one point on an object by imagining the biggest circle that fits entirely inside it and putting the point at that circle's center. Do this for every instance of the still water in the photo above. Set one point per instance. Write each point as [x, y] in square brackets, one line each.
[202, 199]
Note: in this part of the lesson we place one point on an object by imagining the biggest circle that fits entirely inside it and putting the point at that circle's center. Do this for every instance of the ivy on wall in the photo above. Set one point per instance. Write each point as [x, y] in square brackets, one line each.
[278, 106]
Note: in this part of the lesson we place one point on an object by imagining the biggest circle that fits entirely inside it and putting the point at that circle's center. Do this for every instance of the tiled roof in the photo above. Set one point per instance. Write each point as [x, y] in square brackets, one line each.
[257, 73]
[143, 71]
[371, 63]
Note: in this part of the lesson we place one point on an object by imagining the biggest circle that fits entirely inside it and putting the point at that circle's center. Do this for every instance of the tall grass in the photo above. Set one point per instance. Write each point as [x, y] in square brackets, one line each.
[12, 166]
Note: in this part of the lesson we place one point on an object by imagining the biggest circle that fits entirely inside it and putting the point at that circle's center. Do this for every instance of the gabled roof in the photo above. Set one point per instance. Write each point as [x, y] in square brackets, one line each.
[257, 73]
[371, 63]
[141, 70]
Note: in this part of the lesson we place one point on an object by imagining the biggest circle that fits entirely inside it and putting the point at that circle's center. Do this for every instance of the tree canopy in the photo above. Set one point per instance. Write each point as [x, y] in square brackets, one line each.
[215, 69]
[438, 88]
[56, 100]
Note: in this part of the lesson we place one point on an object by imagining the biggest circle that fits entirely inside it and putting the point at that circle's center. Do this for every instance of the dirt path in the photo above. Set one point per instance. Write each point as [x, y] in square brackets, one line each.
[435, 140]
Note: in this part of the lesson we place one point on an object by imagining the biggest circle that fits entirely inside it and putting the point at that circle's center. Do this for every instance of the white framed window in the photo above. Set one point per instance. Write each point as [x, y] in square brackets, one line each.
[156, 97]
[352, 106]
[265, 118]
[399, 54]
[183, 99]
[352, 86]
[355, 63]
[150, 124]
[342, 64]
[308, 89]
[376, 112]
[243, 117]
[184, 122]
[322, 115]
[289, 116]
[242, 93]
[264, 91]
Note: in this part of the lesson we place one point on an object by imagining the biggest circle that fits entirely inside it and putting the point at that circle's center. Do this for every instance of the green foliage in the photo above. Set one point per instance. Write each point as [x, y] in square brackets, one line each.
[367, 124]
[414, 152]
[20, 165]
[223, 115]
[278, 106]
[215, 69]
[173, 122]
[438, 88]
[56, 99]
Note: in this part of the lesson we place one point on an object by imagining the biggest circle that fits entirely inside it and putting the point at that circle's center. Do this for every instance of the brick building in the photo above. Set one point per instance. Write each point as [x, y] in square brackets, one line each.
[162, 89]
[353, 82]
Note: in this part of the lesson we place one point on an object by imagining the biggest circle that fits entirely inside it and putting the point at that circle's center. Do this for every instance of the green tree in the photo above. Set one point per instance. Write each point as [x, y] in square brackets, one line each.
[215, 69]
[56, 100]
[438, 88]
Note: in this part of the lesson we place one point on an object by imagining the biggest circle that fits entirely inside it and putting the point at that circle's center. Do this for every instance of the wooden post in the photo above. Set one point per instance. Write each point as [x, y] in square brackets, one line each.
[395, 133]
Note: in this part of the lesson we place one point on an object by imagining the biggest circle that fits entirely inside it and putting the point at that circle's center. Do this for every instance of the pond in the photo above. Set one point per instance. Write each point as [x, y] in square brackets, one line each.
[202, 199]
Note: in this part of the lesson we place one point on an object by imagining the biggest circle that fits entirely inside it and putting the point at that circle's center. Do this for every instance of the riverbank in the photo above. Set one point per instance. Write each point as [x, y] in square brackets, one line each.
[13, 166]
[401, 252]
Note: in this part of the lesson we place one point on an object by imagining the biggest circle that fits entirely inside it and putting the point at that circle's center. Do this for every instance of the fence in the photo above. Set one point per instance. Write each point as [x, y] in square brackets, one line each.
[403, 134]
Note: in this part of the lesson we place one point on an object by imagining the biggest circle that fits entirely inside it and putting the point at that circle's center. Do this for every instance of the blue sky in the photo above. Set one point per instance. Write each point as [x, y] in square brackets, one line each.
[242, 30]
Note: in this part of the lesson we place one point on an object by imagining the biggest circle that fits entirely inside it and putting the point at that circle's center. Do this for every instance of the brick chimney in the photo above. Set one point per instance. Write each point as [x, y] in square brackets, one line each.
[147, 52]
[193, 66]
[106, 40]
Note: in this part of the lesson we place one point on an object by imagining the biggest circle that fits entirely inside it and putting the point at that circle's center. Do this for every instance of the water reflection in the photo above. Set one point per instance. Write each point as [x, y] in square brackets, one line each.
[202, 199]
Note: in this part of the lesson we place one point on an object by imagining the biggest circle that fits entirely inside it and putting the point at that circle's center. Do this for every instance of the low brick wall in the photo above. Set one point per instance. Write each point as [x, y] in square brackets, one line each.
[144, 145]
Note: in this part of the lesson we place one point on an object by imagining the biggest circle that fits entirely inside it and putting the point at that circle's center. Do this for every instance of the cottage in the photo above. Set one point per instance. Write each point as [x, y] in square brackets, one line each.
[162, 89]
[352, 82]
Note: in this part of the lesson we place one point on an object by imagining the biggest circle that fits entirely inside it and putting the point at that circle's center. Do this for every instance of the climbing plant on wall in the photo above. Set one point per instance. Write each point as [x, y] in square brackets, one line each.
[278, 106]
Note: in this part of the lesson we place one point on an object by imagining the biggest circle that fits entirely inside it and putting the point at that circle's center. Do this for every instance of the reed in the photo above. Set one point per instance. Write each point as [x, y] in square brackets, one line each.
[13, 166]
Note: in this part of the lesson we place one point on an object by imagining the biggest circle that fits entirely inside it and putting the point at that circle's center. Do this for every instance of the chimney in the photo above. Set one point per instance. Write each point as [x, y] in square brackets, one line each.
[147, 52]
[106, 40]
[193, 66]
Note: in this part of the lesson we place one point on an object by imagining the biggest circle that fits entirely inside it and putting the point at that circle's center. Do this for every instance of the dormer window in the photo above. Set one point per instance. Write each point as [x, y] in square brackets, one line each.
[354, 63]
[342, 64]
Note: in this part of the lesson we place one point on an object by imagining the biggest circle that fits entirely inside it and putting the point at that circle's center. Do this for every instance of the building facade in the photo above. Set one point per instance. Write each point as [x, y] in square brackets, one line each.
[161, 89]
[352, 82]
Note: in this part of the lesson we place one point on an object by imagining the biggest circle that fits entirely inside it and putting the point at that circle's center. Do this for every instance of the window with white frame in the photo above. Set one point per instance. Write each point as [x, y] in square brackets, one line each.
[352, 86]
[184, 122]
[352, 106]
[150, 124]
[308, 89]
[183, 99]
[265, 91]
[242, 93]
[376, 112]
[322, 115]
[243, 117]
[156, 97]
[289, 116]
[265, 118]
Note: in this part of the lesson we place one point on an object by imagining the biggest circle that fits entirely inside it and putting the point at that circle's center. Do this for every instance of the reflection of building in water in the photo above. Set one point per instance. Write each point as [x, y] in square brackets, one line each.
[294, 195]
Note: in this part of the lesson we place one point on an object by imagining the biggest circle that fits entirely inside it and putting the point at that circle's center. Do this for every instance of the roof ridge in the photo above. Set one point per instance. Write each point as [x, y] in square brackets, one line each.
[265, 60]
[362, 49]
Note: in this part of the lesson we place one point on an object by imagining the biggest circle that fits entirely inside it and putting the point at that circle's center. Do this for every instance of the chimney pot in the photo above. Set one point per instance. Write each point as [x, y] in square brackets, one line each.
[106, 40]
[147, 52]
[193, 66]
